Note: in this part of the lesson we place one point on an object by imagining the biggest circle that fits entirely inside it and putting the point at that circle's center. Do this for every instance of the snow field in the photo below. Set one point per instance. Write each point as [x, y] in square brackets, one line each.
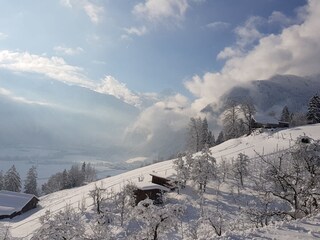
[266, 143]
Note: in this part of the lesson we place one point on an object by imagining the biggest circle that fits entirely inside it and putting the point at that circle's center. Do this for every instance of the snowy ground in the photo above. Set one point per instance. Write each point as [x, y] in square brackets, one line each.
[267, 142]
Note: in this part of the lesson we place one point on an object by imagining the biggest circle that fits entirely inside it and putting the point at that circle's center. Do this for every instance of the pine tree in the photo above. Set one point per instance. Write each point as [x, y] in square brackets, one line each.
[285, 115]
[220, 138]
[12, 180]
[313, 114]
[30, 184]
[1, 180]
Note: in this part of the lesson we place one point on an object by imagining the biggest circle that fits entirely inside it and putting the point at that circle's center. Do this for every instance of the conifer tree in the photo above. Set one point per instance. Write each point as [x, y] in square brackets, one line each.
[12, 180]
[30, 184]
[313, 114]
[1, 180]
[285, 115]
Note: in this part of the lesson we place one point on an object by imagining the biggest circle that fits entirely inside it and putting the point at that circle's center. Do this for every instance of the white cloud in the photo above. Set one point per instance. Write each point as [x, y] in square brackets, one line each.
[3, 36]
[139, 31]
[112, 86]
[218, 25]
[67, 51]
[54, 67]
[93, 11]
[159, 10]
[279, 18]
[248, 33]
[296, 50]
[161, 125]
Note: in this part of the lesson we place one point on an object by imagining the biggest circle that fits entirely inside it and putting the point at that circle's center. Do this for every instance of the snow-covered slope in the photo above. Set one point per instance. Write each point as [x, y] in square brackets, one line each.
[266, 142]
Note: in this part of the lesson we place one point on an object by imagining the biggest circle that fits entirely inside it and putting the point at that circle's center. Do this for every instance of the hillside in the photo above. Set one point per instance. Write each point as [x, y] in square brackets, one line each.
[265, 143]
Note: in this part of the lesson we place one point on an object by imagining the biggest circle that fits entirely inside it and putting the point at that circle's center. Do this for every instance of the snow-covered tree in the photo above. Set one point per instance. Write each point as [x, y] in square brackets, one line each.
[12, 180]
[64, 225]
[220, 138]
[182, 169]
[30, 184]
[89, 172]
[231, 117]
[285, 115]
[54, 183]
[155, 221]
[198, 135]
[294, 177]
[125, 201]
[313, 114]
[248, 110]
[75, 176]
[1, 180]
[240, 167]
[203, 169]
[97, 195]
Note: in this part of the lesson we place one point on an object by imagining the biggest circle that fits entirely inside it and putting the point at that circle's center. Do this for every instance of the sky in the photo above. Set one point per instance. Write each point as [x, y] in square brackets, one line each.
[173, 54]
[148, 45]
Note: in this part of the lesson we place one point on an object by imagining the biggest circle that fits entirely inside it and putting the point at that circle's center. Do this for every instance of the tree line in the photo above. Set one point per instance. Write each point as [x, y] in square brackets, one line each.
[76, 176]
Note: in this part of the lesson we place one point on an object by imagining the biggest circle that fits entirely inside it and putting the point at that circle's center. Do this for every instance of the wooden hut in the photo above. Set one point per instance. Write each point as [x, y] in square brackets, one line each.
[16, 203]
[149, 190]
[166, 181]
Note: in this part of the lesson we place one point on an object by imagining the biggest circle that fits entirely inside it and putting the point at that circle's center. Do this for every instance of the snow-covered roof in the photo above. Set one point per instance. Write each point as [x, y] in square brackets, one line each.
[11, 202]
[151, 186]
[169, 177]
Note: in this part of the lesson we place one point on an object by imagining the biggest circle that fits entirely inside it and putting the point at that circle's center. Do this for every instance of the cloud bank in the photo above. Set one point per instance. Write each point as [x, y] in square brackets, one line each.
[296, 50]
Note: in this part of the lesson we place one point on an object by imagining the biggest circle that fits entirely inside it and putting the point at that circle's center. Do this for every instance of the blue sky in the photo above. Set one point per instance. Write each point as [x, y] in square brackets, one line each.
[149, 45]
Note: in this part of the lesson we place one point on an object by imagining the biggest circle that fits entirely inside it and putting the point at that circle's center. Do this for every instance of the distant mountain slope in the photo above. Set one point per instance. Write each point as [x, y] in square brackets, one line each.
[51, 114]
[273, 94]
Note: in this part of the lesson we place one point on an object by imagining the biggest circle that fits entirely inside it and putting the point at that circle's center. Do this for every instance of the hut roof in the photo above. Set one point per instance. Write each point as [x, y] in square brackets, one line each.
[11, 202]
[151, 186]
[169, 177]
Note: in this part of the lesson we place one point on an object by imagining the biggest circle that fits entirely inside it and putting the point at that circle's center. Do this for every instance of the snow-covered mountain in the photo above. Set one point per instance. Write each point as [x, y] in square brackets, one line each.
[266, 143]
[273, 94]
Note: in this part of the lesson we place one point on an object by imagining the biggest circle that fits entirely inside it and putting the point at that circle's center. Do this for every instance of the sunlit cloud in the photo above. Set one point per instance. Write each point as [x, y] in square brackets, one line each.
[92, 10]
[296, 50]
[110, 85]
[161, 10]
[218, 25]
[138, 31]
[53, 67]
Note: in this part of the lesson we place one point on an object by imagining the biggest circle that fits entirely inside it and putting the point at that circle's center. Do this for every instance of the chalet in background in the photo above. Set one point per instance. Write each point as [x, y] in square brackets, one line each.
[166, 181]
[16, 203]
[149, 190]
[272, 124]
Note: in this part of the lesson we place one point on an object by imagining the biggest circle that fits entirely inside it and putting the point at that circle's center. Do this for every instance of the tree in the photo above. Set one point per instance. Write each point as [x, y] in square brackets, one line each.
[313, 114]
[12, 180]
[248, 110]
[125, 201]
[285, 115]
[66, 225]
[240, 167]
[54, 183]
[198, 135]
[183, 172]
[30, 184]
[1, 180]
[294, 177]
[156, 220]
[220, 138]
[231, 120]
[97, 196]
[203, 168]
